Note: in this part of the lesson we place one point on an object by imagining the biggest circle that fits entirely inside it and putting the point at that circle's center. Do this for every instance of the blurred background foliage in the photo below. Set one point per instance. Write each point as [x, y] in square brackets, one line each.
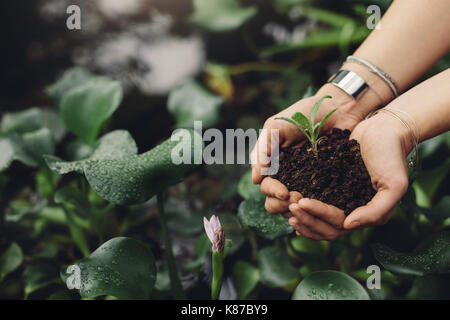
[230, 64]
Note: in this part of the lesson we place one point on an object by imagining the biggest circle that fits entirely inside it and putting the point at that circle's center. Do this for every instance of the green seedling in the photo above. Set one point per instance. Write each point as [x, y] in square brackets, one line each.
[308, 127]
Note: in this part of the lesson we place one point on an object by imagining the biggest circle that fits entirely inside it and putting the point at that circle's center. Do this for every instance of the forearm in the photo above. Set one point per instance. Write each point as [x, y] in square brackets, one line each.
[413, 36]
[428, 105]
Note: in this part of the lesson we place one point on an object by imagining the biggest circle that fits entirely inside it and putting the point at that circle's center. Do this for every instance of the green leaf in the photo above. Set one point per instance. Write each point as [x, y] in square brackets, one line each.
[319, 39]
[190, 102]
[253, 215]
[428, 182]
[10, 260]
[33, 119]
[432, 256]
[247, 189]
[323, 121]
[121, 267]
[220, 15]
[203, 248]
[70, 79]
[275, 268]
[27, 148]
[246, 277]
[86, 107]
[114, 145]
[304, 131]
[6, 153]
[38, 276]
[329, 285]
[136, 179]
[314, 112]
[328, 17]
[303, 120]
[440, 212]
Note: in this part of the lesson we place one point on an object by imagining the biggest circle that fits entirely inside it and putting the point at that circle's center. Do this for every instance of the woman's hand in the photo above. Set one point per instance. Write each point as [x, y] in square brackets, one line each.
[347, 116]
[384, 143]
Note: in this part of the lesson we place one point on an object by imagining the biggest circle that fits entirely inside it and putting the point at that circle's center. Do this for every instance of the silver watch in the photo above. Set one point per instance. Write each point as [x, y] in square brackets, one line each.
[350, 82]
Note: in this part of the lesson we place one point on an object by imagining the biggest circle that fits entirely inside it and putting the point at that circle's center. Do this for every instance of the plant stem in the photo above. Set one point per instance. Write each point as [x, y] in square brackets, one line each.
[217, 265]
[175, 283]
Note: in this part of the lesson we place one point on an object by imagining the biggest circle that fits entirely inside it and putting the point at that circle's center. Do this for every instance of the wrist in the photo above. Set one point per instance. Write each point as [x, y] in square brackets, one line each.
[355, 108]
[383, 121]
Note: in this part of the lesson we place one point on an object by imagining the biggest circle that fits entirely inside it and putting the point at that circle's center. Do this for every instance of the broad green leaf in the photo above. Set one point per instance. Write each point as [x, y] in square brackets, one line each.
[246, 277]
[329, 285]
[190, 102]
[309, 247]
[70, 79]
[71, 197]
[220, 15]
[37, 143]
[432, 256]
[253, 215]
[38, 276]
[10, 260]
[136, 179]
[86, 107]
[121, 267]
[33, 119]
[247, 189]
[19, 208]
[27, 148]
[21, 122]
[275, 268]
[219, 80]
[6, 154]
[114, 145]
[315, 109]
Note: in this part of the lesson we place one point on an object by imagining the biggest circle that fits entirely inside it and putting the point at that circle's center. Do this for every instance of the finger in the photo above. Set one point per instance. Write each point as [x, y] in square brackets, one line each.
[274, 205]
[303, 230]
[323, 211]
[314, 224]
[273, 188]
[376, 212]
[260, 155]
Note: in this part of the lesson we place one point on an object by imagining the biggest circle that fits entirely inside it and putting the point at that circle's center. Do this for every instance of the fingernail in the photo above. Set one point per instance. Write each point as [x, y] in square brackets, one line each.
[302, 201]
[294, 207]
[293, 221]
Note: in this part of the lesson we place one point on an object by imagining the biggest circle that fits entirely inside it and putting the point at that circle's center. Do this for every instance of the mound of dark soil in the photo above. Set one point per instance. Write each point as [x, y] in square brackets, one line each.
[337, 176]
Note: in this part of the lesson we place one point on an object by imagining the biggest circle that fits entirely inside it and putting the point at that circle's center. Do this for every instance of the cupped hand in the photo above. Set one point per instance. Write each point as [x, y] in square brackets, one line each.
[384, 144]
[277, 195]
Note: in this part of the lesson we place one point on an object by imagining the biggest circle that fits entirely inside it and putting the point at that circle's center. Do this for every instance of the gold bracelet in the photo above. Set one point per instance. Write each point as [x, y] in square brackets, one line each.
[413, 157]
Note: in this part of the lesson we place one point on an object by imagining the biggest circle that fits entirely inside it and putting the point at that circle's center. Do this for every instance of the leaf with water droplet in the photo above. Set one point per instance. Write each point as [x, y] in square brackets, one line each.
[329, 285]
[136, 179]
[253, 215]
[432, 256]
[114, 145]
[121, 267]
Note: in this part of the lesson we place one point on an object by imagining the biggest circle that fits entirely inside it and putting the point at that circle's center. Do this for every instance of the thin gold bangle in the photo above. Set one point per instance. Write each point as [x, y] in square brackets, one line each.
[410, 162]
